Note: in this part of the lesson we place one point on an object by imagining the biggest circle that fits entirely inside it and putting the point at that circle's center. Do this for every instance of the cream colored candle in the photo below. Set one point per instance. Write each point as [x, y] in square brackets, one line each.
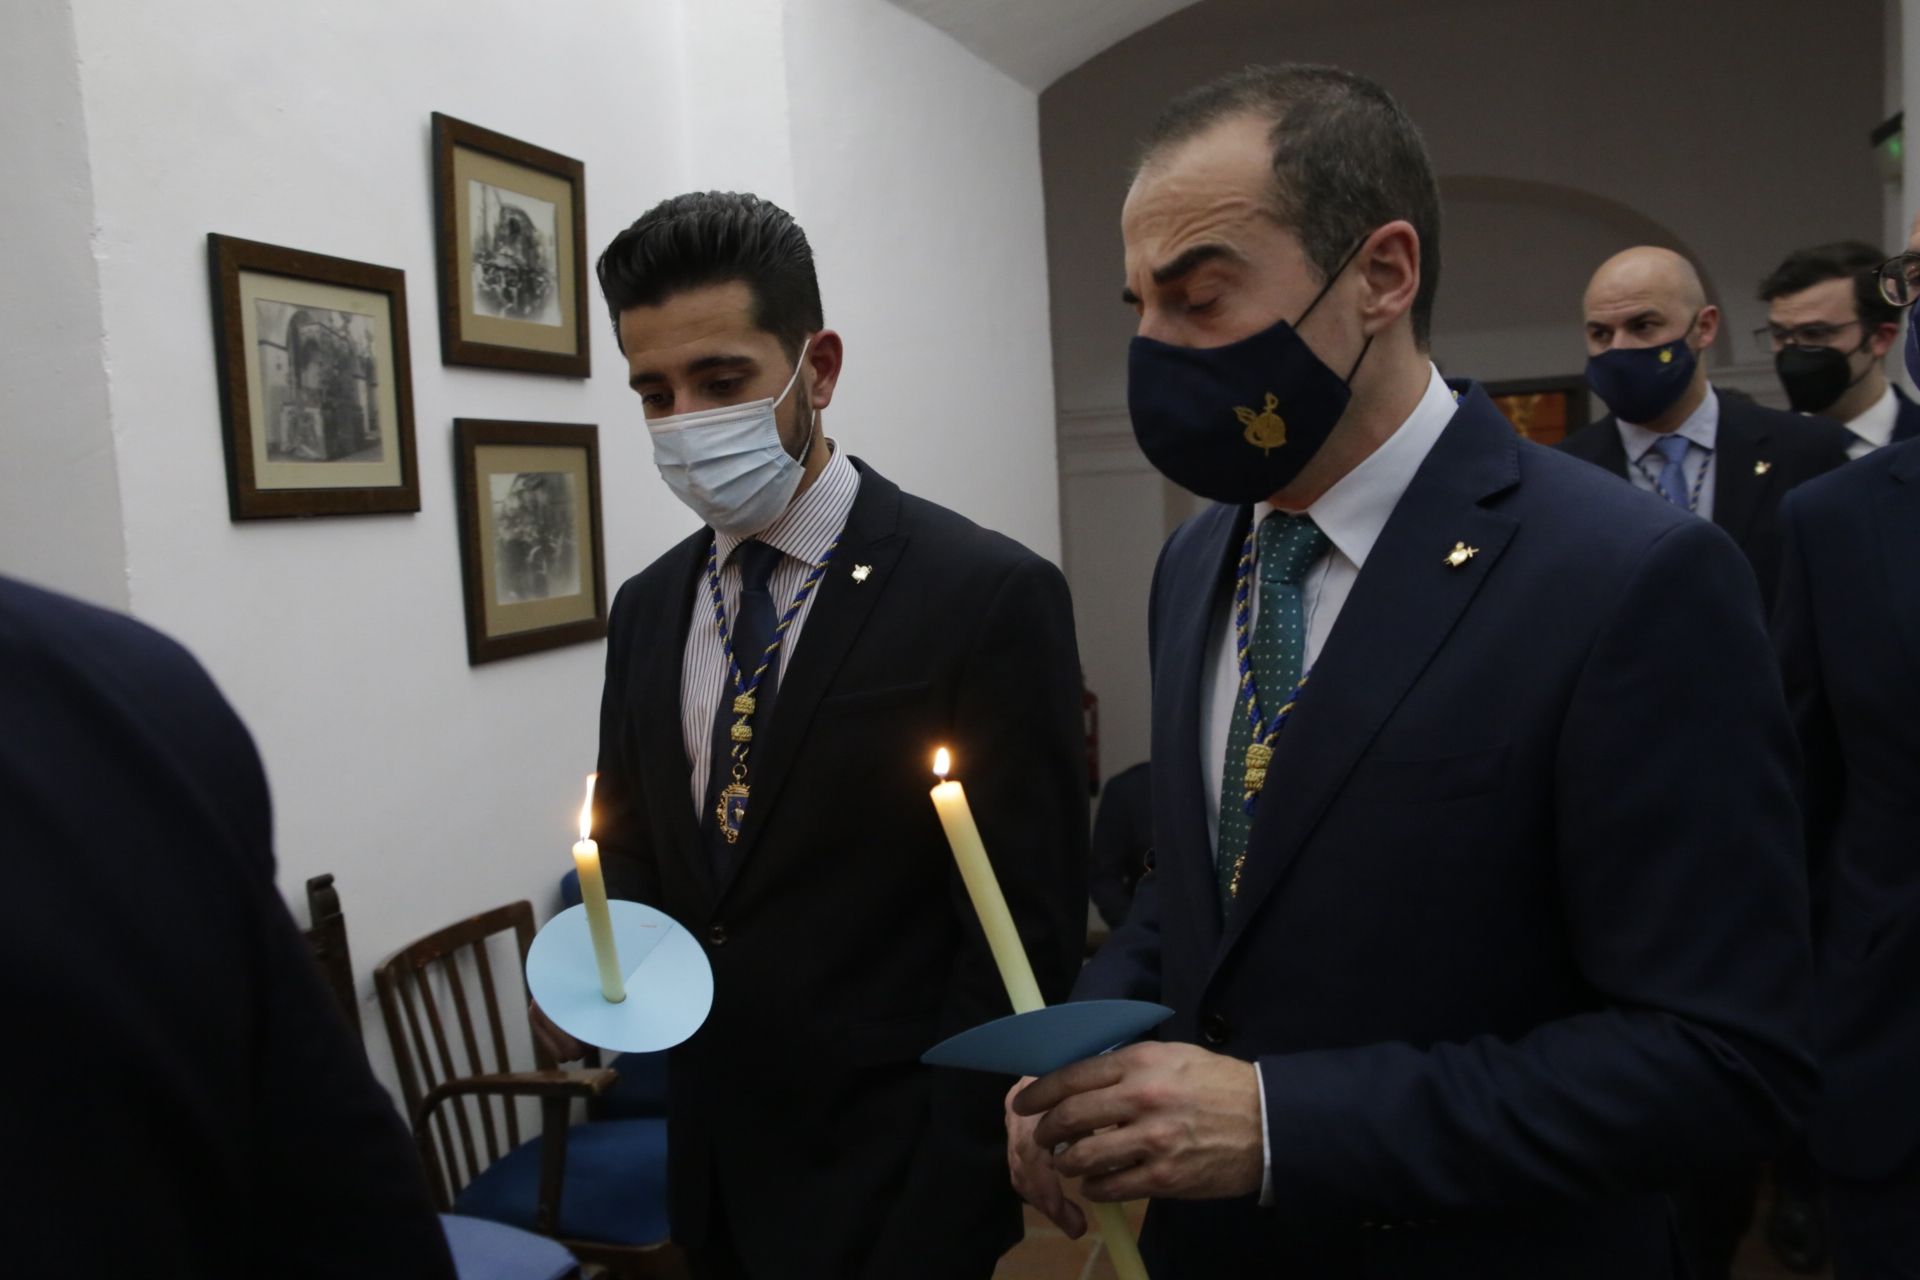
[1016, 972]
[593, 895]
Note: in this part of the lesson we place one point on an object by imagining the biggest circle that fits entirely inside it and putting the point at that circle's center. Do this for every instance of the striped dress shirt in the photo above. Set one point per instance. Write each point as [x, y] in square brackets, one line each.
[810, 524]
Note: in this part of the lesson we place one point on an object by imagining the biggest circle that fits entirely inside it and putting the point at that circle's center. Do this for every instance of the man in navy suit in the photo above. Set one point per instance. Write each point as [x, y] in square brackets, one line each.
[1848, 630]
[183, 1098]
[1671, 432]
[1829, 332]
[1469, 952]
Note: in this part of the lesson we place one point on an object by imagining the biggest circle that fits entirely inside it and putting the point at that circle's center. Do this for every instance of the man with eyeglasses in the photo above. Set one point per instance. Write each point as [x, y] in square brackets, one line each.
[1648, 324]
[1848, 632]
[1828, 331]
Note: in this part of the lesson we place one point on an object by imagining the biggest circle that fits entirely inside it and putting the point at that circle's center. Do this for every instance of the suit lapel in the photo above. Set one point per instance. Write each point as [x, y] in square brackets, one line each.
[873, 538]
[1199, 587]
[1404, 604]
[1739, 449]
[1897, 526]
[663, 749]
[1613, 450]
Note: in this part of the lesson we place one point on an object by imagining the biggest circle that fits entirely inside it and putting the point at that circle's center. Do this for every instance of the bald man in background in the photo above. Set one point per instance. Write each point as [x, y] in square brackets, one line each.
[1648, 323]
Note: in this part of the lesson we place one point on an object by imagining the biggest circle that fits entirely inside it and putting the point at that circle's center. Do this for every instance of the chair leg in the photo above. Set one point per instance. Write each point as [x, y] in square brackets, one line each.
[554, 1115]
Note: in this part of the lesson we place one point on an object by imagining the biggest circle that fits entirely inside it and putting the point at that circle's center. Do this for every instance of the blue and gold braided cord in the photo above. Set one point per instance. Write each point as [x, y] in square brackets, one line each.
[748, 686]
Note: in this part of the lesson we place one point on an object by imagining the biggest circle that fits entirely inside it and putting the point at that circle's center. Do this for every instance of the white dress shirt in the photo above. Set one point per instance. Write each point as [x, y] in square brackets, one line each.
[1351, 513]
[811, 523]
[1873, 429]
[1702, 427]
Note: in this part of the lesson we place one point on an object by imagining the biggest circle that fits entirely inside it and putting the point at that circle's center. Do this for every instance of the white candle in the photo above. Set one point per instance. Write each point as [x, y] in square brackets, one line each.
[1016, 971]
[593, 894]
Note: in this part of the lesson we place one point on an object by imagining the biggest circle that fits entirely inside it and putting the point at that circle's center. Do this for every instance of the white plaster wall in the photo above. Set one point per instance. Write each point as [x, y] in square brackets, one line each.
[1561, 131]
[430, 788]
[917, 174]
[59, 499]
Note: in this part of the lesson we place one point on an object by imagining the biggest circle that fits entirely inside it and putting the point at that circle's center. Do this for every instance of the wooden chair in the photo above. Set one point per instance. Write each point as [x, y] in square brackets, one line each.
[490, 1250]
[598, 1187]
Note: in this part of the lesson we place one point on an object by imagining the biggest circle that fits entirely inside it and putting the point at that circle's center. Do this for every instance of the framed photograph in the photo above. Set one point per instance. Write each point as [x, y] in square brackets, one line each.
[316, 393]
[512, 234]
[529, 536]
[1543, 410]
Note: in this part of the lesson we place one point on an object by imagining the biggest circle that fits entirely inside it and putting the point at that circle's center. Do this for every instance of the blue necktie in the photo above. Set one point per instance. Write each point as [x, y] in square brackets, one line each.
[1286, 547]
[1673, 477]
[753, 628]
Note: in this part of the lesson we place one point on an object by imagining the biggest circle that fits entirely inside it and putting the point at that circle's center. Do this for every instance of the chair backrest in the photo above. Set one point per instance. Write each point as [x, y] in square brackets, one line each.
[327, 935]
[431, 1048]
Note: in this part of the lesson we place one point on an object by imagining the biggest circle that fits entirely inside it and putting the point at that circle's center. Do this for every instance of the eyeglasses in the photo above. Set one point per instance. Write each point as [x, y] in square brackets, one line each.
[1900, 279]
[1773, 337]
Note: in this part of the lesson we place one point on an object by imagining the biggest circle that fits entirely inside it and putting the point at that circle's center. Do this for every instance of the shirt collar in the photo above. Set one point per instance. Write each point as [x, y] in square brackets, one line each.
[1354, 511]
[1702, 426]
[813, 521]
[1875, 425]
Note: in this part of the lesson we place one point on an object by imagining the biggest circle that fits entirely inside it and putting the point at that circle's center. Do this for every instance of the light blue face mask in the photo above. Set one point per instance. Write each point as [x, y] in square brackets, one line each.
[727, 464]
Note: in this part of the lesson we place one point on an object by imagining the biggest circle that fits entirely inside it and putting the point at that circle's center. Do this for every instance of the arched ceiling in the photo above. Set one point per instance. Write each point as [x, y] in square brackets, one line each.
[1038, 41]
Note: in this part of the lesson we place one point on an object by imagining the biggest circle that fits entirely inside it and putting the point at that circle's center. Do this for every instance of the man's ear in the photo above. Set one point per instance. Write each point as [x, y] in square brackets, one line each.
[1708, 325]
[824, 356]
[1389, 265]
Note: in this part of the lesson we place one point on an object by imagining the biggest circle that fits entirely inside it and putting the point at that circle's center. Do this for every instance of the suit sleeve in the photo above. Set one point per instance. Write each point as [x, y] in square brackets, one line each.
[1128, 966]
[1678, 854]
[1017, 705]
[619, 809]
[1796, 637]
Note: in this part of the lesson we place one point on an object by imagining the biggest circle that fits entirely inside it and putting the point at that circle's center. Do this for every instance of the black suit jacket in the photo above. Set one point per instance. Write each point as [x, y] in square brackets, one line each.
[1759, 454]
[844, 946]
[1848, 628]
[183, 1097]
[1521, 936]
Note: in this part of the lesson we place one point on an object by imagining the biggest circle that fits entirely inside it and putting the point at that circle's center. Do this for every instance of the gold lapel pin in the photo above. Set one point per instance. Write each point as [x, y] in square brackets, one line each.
[1761, 467]
[861, 572]
[1460, 554]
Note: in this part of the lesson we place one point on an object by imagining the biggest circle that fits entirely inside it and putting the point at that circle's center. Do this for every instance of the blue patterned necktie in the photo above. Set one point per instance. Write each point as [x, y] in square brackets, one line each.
[753, 629]
[1286, 547]
[1673, 477]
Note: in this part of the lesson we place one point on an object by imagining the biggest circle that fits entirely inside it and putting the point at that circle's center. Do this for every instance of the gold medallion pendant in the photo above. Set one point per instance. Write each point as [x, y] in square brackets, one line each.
[1259, 757]
[732, 810]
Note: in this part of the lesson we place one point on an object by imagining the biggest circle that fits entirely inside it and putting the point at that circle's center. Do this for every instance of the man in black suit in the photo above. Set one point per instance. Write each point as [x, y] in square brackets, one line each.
[1848, 631]
[183, 1098]
[1829, 332]
[1647, 322]
[1470, 956]
[776, 687]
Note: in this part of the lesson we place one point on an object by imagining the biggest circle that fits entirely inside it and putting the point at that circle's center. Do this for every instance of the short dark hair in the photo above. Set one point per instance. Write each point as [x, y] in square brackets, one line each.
[715, 237]
[1842, 260]
[1346, 160]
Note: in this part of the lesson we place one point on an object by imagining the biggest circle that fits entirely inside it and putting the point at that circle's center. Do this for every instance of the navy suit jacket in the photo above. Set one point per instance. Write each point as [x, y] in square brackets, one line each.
[1759, 454]
[1848, 628]
[183, 1097]
[1906, 425]
[1522, 934]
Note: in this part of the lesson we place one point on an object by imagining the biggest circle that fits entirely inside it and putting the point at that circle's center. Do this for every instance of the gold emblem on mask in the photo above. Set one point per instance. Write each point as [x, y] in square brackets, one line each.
[1666, 357]
[1265, 430]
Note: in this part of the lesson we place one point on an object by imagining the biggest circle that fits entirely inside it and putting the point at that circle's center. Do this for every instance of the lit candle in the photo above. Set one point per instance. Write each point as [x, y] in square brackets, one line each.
[593, 893]
[1016, 972]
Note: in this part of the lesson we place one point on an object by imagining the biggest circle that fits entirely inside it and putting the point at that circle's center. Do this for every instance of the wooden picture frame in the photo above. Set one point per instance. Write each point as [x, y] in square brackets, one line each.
[531, 552]
[510, 235]
[316, 386]
[1543, 410]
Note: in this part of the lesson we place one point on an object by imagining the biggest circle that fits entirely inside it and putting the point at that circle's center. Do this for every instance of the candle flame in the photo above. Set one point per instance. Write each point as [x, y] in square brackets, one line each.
[942, 762]
[586, 809]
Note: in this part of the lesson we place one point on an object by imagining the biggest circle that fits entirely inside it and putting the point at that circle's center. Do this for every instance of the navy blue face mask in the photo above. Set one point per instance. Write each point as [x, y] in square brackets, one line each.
[1236, 423]
[1641, 383]
[1913, 350]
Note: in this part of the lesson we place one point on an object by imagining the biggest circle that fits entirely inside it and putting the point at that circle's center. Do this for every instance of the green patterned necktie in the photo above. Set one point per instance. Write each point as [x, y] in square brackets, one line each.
[1287, 547]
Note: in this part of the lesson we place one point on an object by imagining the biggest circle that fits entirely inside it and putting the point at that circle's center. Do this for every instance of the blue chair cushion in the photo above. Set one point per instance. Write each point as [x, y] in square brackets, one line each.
[641, 1091]
[485, 1250]
[615, 1190]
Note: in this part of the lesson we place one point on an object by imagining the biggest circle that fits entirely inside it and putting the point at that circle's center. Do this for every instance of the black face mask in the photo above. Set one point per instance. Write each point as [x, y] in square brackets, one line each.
[1237, 423]
[1815, 377]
